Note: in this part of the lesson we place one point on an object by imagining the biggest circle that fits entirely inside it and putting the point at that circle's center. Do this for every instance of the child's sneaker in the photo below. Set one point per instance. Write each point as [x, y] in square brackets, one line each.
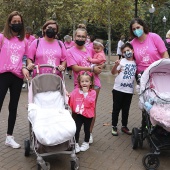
[10, 142]
[114, 131]
[84, 146]
[77, 148]
[126, 130]
[91, 138]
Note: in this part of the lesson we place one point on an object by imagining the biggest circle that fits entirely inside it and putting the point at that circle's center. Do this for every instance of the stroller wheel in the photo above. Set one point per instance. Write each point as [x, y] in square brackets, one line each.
[47, 166]
[27, 147]
[75, 164]
[151, 161]
[135, 138]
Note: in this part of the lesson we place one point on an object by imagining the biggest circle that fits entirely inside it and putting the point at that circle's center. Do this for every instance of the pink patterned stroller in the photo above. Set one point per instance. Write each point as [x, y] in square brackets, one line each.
[52, 127]
[154, 101]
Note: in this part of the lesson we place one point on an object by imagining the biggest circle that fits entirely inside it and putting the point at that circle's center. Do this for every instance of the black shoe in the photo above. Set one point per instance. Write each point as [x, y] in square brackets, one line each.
[70, 76]
[114, 131]
[126, 130]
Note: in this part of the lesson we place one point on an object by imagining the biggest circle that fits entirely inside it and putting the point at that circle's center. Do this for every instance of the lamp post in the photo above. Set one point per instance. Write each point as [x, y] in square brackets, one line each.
[136, 8]
[164, 21]
[151, 11]
[33, 24]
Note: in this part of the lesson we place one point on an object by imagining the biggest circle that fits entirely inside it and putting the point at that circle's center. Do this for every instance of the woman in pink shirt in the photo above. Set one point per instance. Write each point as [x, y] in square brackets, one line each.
[13, 48]
[47, 50]
[148, 47]
[77, 59]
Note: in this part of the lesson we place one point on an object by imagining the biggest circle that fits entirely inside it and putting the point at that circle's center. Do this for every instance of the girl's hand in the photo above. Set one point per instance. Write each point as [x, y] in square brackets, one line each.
[67, 93]
[26, 74]
[61, 68]
[85, 89]
[88, 58]
[117, 62]
[30, 66]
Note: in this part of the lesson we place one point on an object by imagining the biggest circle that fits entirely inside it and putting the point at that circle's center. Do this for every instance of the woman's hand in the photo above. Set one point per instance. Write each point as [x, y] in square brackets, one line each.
[97, 69]
[61, 68]
[30, 66]
[26, 74]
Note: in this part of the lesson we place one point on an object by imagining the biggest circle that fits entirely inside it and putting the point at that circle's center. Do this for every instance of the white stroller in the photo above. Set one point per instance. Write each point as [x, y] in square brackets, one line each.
[52, 127]
[154, 101]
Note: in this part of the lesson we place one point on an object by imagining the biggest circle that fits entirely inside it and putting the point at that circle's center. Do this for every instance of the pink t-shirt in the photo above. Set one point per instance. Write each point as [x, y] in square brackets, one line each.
[78, 57]
[98, 58]
[148, 51]
[30, 39]
[69, 45]
[47, 53]
[12, 52]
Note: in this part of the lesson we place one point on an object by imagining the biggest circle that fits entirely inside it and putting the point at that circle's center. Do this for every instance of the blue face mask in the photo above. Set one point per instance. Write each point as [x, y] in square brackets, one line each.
[128, 54]
[138, 32]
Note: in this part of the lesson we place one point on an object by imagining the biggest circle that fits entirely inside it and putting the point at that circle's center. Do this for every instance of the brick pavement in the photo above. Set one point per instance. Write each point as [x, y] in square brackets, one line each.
[106, 153]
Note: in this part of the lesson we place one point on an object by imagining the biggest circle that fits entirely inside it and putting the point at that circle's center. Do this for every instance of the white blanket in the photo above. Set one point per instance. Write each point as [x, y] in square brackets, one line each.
[52, 126]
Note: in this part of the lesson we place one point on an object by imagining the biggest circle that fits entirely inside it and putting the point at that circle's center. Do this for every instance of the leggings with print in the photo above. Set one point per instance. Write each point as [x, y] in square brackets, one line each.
[14, 84]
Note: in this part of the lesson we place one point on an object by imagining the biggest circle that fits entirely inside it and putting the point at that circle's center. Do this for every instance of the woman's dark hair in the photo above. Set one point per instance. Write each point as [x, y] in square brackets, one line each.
[7, 29]
[140, 22]
[28, 29]
[48, 23]
[126, 45]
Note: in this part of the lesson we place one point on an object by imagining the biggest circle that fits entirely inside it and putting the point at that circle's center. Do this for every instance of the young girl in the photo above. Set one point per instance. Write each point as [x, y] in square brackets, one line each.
[82, 103]
[99, 56]
[123, 88]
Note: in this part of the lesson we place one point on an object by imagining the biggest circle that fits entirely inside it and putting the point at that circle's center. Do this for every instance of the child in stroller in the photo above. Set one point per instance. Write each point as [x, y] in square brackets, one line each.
[154, 100]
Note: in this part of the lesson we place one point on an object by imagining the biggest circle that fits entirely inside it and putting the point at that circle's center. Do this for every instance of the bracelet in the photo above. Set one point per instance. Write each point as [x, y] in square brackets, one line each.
[24, 67]
[92, 69]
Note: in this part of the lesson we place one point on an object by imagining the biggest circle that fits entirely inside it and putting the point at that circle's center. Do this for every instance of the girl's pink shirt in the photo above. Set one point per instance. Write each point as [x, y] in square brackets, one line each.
[98, 58]
[148, 51]
[76, 98]
[12, 52]
[47, 53]
[78, 57]
[69, 45]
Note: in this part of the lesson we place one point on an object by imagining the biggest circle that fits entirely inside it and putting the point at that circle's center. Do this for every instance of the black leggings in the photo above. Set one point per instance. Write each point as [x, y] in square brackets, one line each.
[79, 119]
[121, 101]
[14, 84]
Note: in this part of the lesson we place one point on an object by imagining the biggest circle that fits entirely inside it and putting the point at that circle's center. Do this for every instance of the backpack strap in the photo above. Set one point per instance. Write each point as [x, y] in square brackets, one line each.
[59, 44]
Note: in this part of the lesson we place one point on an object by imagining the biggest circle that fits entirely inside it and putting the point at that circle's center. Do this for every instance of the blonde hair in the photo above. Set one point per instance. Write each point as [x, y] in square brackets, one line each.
[168, 34]
[81, 26]
[98, 42]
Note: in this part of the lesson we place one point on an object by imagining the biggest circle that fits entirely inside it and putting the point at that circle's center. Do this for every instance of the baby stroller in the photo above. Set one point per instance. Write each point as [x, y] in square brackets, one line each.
[154, 101]
[51, 125]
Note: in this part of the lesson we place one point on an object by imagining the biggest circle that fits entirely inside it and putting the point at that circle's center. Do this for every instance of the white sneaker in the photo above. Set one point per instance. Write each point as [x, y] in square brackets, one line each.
[66, 73]
[77, 148]
[84, 146]
[10, 142]
[91, 138]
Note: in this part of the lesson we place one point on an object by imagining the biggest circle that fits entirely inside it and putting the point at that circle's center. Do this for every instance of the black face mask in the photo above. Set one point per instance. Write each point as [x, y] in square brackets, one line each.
[16, 27]
[80, 43]
[50, 33]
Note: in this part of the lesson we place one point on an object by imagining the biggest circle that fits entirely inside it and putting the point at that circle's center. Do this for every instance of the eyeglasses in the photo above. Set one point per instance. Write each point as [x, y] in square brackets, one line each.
[80, 37]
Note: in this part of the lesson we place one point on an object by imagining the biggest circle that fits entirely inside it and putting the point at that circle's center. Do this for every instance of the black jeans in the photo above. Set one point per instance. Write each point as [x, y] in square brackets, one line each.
[79, 119]
[121, 101]
[14, 84]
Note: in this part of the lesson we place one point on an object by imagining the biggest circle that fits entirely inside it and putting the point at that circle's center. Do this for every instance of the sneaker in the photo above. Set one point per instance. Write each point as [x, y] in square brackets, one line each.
[91, 139]
[10, 142]
[66, 73]
[126, 130]
[84, 146]
[70, 76]
[77, 148]
[114, 131]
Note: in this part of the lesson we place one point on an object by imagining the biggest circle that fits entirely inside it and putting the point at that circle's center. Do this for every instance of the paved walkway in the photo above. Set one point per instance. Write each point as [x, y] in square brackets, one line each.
[106, 153]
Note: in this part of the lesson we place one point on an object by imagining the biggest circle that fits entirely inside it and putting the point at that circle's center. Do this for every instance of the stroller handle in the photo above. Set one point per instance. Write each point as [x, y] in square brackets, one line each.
[37, 67]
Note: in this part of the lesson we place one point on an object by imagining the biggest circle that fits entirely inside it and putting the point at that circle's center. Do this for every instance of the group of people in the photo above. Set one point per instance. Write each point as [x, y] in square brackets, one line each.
[84, 60]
